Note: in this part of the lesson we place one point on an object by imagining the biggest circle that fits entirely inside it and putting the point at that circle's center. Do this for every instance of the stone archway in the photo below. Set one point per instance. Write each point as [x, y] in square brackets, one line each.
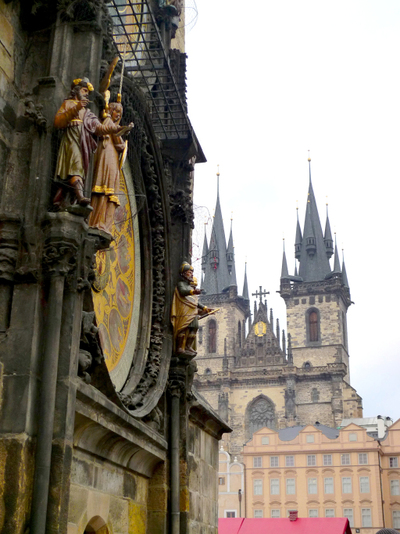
[96, 525]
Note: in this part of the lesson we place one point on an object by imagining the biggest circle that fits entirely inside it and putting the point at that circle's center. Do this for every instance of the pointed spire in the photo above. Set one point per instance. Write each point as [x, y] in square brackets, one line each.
[295, 268]
[314, 263]
[336, 266]
[278, 332]
[255, 309]
[328, 236]
[204, 256]
[230, 259]
[345, 281]
[217, 277]
[271, 319]
[245, 293]
[299, 238]
[284, 272]
[283, 343]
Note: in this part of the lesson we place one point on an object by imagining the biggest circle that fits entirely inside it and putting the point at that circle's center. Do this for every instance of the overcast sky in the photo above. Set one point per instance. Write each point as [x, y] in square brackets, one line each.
[270, 80]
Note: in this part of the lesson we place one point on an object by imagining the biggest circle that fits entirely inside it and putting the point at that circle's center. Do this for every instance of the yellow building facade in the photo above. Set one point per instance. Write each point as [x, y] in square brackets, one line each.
[324, 472]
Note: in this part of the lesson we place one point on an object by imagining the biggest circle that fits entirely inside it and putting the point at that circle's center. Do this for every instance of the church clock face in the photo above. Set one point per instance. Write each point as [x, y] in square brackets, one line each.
[116, 287]
[260, 328]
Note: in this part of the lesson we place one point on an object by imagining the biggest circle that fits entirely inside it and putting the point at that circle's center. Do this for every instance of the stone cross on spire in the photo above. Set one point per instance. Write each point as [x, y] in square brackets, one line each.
[260, 294]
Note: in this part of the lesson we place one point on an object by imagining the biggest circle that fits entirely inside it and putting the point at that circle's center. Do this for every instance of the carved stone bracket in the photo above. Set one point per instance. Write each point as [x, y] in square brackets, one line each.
[64, 234]
[9, 247]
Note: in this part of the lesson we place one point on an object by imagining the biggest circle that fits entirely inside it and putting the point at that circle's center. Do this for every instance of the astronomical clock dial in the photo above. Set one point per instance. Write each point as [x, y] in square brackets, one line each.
[260, 328]
[115, 289]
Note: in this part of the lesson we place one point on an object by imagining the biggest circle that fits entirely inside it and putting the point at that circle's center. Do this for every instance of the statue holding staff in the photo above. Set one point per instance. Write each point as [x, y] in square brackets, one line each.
[80, 126]
[186, 312]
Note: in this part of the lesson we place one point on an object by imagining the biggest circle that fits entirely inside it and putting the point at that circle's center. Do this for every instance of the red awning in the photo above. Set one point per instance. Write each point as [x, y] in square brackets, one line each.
[230, 525]
[317, 525]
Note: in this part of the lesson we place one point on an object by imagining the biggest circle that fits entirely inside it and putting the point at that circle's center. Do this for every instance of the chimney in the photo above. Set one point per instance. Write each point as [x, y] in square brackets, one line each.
[293, 514]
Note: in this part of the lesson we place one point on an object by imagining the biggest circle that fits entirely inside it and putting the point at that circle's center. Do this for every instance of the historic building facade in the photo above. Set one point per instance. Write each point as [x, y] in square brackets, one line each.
[257, 376]
[324, 472]
[100, 430]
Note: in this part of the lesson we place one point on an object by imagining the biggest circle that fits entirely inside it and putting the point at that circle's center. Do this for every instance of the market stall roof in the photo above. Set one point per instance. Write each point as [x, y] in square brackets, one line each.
[316, 525]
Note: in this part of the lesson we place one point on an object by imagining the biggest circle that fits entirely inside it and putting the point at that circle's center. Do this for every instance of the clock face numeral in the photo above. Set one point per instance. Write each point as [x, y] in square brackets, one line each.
[260, 328]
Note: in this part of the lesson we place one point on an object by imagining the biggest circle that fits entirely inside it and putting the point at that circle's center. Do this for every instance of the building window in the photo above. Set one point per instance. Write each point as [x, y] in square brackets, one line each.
[260, 413]
[329, 512]
[312, 486]
[289, 461]
[311, 460]
[352, 436]
[265, 440]
[274, 484]
[313, 512]
[258, 513]
[396, 519]
[310, 438]
[257, 485]
[212, 336]
[230, 513]
[328, 485]
[348, 512]
[394, 487]
[393, 461]
[314, 395]
[274, 461]
[275, 513]
[364, 485]
[290, 486]
[208, 371]
[221, 481]
[313, 326]
[345, 459]
[327, 459]
[363, 458]
[346, 485]
[200, 335]
[257, 461]
[366, 518]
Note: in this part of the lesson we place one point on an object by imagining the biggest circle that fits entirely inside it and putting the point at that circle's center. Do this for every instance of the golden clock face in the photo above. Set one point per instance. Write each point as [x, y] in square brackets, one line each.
[260, 328]
[114, 287]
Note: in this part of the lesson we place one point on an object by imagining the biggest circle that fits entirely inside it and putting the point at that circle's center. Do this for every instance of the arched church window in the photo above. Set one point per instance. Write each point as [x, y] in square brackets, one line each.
[239, 334]
[307, 365]
[314, 395]
[261, 413]
[313, 326]
[212, 336]
[208, 371]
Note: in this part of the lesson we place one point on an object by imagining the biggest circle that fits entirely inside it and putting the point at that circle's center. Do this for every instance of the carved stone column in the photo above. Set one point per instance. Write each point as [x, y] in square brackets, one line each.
[177, 389]
[64, 234]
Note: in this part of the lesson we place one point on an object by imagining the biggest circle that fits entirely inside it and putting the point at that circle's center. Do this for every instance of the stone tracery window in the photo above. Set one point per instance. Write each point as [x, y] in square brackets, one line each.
[212, 336]
[261, 413]
[313, 326]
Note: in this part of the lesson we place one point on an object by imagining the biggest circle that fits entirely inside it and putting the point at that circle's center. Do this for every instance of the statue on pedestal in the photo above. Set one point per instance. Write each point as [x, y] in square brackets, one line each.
[77, 144]
[185, 313]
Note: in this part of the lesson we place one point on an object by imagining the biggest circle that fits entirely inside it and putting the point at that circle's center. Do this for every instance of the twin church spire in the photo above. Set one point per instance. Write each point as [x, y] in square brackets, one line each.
[218, 259]
[314, 248]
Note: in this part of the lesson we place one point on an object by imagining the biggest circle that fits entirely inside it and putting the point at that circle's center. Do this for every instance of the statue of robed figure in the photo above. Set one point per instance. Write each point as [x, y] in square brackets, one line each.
[185, 313]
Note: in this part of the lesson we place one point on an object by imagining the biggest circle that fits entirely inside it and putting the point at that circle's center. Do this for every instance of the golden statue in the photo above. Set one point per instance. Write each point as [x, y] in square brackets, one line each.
[79, 125]
[108, 162]
[186, 311]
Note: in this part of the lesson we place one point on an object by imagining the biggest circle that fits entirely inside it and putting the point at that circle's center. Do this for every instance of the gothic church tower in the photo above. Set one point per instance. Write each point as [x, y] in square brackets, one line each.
[317, 298]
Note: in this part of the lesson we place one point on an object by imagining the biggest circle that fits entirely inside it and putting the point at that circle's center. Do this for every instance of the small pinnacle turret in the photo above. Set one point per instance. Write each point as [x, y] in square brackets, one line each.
[336, 265]
[328, 236]
[245, 293]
